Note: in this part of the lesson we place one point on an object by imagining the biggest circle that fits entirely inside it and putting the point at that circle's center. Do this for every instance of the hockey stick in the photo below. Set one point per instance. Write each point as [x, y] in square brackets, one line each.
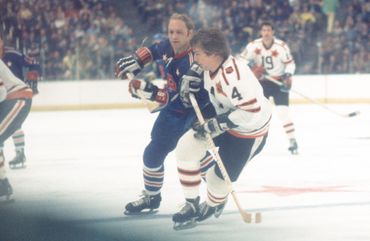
[247, 217]
[275, 81]
[150, 105]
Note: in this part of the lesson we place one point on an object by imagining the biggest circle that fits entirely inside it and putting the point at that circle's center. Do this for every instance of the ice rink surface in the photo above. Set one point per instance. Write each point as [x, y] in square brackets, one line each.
[84, 166]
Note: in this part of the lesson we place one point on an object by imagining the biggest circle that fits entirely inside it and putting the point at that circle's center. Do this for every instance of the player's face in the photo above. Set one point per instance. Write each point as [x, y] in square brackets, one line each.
[202, 58]
[179, 35]
[267, 33]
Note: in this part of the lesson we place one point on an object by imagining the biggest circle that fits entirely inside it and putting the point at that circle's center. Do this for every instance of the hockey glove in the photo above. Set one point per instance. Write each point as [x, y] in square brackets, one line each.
[148, 91]
[286, 81]
[258, 71]
[214, 126]
[191, 83]
[126, 65]
[32, 78]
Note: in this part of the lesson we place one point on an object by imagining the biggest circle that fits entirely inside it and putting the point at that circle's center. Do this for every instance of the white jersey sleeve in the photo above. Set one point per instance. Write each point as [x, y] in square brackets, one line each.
[235, 89]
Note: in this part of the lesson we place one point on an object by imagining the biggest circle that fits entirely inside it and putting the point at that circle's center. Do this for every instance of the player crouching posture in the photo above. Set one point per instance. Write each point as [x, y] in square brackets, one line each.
[15, 104]
[239, 129]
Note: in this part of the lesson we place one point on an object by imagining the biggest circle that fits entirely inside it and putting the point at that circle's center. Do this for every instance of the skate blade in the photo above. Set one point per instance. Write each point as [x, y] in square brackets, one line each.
[186, 225]
[142, 213]
[17, 166]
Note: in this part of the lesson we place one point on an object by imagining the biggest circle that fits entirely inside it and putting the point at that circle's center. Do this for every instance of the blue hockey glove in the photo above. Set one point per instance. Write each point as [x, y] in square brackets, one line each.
[286, 81]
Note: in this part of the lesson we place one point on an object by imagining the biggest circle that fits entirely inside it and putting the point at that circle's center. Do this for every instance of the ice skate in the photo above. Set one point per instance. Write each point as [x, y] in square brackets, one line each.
[186, 217]
[206, 211]
[5, 191]
[293, 148]
[19, 160]
[147, 204]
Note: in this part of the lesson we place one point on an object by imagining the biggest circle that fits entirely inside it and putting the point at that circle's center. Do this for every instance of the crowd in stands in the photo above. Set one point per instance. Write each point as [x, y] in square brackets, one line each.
[72, 39]
[82, 39]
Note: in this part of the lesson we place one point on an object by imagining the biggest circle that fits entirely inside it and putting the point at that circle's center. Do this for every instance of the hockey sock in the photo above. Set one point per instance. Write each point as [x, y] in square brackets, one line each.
[284, 116]
[205, 164]
[217, 189]
[153, 179]
[18, 139]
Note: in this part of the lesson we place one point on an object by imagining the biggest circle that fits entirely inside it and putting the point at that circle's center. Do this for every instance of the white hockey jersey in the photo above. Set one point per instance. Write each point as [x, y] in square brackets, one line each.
[10, 86]
[235, 88]
[276, 59]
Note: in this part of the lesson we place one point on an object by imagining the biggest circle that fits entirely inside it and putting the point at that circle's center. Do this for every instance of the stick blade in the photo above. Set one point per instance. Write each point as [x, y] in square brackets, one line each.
[352, 114]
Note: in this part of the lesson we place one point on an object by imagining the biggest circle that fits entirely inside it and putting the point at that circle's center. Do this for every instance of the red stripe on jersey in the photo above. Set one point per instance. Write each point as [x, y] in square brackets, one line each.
[25, 93]
[254, 110]
[224, 76]
[237, 134]
[249, 102]
[236, 69]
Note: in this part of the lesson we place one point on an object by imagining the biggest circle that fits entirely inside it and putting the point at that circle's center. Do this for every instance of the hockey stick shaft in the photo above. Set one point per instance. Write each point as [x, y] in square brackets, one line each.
[247, 217]
[272, 79]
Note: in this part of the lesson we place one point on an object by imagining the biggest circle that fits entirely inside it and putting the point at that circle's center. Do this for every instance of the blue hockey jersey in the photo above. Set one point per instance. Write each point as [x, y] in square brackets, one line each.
[175, 67]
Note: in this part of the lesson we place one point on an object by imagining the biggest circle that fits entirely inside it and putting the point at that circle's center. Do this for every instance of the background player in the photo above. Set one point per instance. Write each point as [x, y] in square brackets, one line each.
[271, 57]
[174, 118]
[19, 64]
[15, 104]
[239, 129]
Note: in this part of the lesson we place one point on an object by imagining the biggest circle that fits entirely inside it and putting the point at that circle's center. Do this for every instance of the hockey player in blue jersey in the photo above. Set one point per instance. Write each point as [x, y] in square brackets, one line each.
[174, 118]
[27, 70]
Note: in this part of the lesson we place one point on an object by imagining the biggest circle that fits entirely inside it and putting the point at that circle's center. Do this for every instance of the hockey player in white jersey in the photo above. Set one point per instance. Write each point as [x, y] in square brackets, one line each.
[270, 58]
[15, 104]
[239, 129]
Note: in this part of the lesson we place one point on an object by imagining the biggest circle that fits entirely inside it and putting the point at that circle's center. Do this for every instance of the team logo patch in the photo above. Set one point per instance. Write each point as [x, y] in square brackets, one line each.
[229, 70]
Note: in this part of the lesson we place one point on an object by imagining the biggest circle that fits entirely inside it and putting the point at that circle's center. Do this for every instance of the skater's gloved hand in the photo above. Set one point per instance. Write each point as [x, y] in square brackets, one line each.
[286, 81]
[148, 91]
[214, 126]
[133, 64]
[190, 83]
[126, 65]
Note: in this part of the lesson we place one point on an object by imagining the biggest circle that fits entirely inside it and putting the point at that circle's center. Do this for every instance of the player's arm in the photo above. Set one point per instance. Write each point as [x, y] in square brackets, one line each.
[249, 55]
[288, 61]
[133, 63]
[141, 88]
[33, 73]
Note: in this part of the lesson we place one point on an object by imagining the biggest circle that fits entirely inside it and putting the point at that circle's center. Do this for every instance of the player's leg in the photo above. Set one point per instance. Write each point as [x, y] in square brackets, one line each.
[235, 153]
[19, 143]
[282, 110]
[12, 115]
[166, 132]
[189, 153]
